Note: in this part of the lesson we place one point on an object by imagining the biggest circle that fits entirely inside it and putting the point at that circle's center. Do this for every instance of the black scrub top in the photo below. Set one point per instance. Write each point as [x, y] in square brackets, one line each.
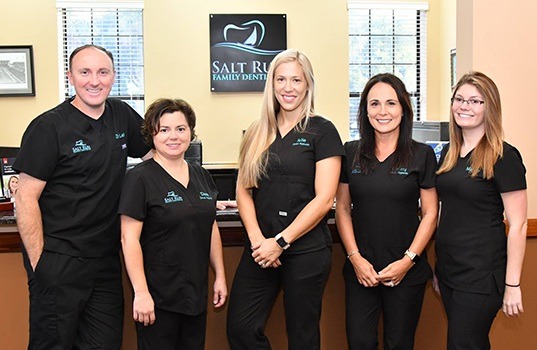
[83, 162]
[471, 244]
[386, 208]
[176, 234]
[290, 182]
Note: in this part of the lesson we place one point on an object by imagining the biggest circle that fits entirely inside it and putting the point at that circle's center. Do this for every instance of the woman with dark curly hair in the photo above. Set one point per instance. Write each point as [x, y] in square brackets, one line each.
[169, 234]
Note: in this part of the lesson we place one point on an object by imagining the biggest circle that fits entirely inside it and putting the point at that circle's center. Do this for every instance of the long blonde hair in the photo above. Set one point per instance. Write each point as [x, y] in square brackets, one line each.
[253, 154]
[490, 147]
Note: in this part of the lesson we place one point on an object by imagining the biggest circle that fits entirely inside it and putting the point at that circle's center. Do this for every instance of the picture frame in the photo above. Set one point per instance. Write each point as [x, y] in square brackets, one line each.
[17, 71]
[453, 66]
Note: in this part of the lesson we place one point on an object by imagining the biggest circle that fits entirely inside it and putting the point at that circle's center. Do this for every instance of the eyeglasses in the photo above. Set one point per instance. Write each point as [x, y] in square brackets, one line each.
[457, 101]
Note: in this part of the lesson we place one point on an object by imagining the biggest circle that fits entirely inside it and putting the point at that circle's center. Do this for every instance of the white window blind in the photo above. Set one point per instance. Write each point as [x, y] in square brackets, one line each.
[118, 27]
[387, 38]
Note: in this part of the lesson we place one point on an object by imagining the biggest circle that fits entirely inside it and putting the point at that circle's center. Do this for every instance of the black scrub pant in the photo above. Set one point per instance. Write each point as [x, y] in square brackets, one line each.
[400, 307]
[470, 317]
[303, 279]
[173, 330]
[75, 303]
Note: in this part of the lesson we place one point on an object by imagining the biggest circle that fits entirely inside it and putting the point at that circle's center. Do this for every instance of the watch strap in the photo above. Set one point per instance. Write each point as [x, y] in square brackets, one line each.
[415, 258]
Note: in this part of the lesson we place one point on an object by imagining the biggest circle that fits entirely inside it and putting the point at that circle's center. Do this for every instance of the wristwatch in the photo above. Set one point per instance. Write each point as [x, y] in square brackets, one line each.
[415, 258]
[281, 241]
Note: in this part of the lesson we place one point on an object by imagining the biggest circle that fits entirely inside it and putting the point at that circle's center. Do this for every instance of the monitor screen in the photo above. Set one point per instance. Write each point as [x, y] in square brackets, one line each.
[225, 181]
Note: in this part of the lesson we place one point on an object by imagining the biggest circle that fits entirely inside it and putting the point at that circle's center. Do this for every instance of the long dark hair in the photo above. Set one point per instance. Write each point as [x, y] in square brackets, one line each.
[365, 156]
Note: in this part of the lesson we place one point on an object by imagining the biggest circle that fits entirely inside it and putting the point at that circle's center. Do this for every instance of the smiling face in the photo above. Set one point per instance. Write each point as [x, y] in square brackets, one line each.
[468, 115]
[173, 136]
[290, 86]
[383, 109]
[13, 184]
[92, 75]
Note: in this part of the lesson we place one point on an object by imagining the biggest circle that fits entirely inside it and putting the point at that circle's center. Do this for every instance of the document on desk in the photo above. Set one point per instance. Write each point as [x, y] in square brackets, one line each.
[227, 211]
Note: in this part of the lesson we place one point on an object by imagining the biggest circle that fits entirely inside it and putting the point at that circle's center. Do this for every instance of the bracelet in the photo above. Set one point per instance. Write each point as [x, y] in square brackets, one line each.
[512, 285]
[352, 253]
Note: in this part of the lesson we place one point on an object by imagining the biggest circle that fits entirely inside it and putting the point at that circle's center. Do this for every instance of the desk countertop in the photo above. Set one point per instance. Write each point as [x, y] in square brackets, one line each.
[228, 220]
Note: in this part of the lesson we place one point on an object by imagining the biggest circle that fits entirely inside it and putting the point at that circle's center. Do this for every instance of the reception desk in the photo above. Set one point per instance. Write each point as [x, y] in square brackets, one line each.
[431, 334]
[228, 221]
[229, 224]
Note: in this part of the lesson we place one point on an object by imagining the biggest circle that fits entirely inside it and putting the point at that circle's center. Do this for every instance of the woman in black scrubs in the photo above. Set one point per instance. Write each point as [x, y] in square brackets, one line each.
[478, 268]
[288, 172]
[384, 177]
[169, 234]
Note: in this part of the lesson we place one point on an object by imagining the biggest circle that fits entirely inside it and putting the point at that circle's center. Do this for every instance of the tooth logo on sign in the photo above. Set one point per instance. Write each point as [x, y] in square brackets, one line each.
[246, 37]
[242, 47]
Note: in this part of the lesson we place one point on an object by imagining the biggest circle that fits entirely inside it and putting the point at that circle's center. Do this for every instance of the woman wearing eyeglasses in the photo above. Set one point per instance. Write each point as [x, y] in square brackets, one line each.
[481, 176]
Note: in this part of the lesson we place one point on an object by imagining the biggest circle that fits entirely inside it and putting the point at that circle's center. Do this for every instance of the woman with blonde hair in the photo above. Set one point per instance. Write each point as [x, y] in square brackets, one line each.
[288, 173]
[481, 176]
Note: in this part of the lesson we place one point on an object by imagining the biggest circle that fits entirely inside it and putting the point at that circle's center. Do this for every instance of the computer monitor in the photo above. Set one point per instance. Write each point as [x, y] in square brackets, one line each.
[194, 153]
[225, 181]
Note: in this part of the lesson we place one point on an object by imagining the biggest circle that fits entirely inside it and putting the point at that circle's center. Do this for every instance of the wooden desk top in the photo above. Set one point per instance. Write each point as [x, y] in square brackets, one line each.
[230, 228]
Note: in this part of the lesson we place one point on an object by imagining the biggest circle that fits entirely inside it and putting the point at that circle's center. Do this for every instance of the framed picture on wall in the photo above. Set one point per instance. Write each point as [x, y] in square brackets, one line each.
[453, 64]
[16, 71]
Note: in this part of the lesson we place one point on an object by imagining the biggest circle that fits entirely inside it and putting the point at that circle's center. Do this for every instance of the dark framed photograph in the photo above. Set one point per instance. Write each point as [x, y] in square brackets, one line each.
[453, 64]
[16, 71]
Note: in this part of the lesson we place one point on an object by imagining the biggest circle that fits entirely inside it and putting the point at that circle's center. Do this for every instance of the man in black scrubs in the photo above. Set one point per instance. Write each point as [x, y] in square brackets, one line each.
[71, 162]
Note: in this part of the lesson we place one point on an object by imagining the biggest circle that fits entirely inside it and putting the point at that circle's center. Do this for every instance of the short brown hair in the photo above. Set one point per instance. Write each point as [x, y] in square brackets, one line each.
[87, 46]
[159, 107]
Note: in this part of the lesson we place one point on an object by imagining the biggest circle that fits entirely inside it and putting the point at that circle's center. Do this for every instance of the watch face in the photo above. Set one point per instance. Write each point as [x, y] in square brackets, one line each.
[281, 242]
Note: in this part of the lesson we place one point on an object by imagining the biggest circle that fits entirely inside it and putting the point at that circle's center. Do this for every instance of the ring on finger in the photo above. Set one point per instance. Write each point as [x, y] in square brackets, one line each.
[392, 284]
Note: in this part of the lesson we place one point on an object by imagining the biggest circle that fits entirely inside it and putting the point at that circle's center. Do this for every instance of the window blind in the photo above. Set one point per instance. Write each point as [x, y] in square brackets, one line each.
[119, 29]
[387, 38]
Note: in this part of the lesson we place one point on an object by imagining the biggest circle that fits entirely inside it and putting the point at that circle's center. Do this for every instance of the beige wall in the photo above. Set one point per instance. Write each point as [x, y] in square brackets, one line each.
[177, 62]
[504, 53]
[29, 23]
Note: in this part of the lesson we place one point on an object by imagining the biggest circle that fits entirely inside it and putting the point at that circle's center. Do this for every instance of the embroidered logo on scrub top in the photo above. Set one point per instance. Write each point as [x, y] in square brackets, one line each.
[400, 171]
[80, 146]
[468, 169]
[172, 197]
[205, 196]
[356, 170]
[120, 135]
[301, 142]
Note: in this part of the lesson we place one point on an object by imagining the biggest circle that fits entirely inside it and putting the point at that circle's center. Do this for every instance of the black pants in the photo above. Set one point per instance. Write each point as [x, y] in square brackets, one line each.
[470, 316]
[400, 307]
[172, 330]
[303, 279]
[75, 303]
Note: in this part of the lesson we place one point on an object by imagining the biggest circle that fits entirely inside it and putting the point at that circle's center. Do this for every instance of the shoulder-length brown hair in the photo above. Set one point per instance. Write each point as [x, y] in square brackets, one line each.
[157, 109]
[490, 147]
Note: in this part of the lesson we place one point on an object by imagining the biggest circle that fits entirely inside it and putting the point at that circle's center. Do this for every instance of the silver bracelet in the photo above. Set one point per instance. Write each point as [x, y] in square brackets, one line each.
[352, 253]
